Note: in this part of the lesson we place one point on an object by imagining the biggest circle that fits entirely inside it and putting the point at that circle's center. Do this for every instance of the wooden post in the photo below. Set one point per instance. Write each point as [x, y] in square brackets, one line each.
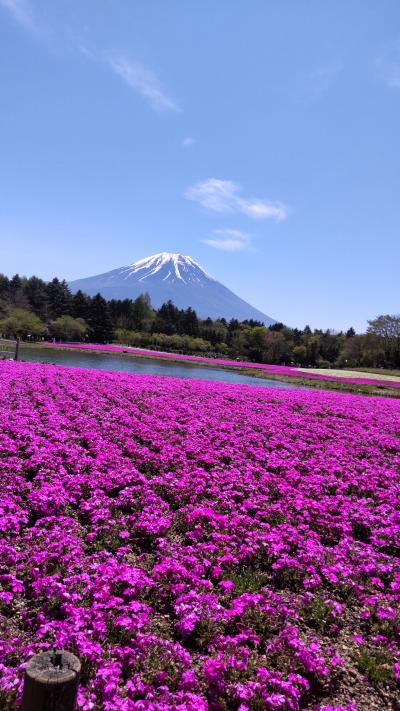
[51, 682]
[16, 349]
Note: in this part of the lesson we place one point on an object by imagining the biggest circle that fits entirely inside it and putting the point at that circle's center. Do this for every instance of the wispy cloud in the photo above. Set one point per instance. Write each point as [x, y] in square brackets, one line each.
[321, 78]
[21, 12]
[228, 240]
[224, 196]
[188, 142]
[387, 65]
[142, 80]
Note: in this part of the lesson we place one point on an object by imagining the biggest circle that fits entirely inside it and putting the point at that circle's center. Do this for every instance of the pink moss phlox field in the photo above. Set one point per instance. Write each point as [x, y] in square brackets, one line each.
[266, 367]
[198, 545]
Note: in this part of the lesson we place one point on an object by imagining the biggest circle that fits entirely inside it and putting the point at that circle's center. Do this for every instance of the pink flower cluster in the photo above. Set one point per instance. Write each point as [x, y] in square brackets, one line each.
[198, 545]
[266, 367]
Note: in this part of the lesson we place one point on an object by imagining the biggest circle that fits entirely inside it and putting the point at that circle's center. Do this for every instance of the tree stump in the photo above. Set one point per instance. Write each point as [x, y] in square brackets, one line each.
[51, 682]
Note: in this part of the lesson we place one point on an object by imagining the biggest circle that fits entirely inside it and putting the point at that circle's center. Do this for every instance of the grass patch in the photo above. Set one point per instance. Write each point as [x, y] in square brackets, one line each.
[316, 614]
[376, 665]
[248, 581]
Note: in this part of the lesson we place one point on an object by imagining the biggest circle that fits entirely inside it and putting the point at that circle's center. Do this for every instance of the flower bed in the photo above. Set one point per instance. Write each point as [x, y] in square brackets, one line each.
[199, 545]
[266, 367]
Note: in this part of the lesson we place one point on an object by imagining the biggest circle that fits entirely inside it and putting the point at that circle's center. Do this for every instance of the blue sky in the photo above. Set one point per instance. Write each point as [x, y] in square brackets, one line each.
[261, 138]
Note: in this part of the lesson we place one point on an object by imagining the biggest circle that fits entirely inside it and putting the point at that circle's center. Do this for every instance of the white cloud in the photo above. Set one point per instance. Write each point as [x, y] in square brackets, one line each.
[139, 78]
[21, 12]
[86, 51]
[142, 80]
[390, 74]
[223, 196]
[387, 65]
[262, 209]
[188, 142]
[216, 195]
[320, 79]
[228, 240]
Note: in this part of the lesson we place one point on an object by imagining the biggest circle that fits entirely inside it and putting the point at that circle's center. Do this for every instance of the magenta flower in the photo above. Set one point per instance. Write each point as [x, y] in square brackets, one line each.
[198, 545]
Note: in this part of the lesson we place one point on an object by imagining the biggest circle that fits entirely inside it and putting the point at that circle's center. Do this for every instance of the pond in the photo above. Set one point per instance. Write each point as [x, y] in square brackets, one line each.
[148, 366]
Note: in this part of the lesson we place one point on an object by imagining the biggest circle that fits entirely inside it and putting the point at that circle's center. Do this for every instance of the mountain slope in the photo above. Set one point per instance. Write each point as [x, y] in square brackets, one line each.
[171, 276]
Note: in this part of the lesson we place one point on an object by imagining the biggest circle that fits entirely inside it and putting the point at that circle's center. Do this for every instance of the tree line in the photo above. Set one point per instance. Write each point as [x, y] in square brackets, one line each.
[34, 309]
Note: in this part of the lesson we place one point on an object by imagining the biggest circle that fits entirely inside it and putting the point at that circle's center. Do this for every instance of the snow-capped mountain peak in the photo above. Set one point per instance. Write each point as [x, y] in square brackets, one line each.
[171, 276]
[169, 265]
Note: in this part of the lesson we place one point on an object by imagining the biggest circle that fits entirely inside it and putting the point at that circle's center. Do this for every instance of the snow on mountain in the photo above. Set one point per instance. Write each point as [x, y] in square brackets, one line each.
[175, 266]
[169, 275]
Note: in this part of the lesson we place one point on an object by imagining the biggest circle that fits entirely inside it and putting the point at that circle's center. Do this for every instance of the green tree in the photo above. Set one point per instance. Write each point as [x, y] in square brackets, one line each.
[80, 305]
[66, 328]
[59, 297]
[387, 328]
[36, 291]
[277, 349]
[22, 323]
[142, 312]
[256, 343]
[15, 284]
[167, 319]
[190, 323]
[300, 354]
[101, 328]
[312, 343]
[16, 296]
[4, 286]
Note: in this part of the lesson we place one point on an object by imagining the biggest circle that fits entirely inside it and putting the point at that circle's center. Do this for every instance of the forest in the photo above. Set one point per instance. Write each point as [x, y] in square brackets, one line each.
[33, 309]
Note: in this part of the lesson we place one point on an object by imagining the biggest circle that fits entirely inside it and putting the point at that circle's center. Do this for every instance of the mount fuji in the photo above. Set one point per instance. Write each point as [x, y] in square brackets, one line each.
[172, 276]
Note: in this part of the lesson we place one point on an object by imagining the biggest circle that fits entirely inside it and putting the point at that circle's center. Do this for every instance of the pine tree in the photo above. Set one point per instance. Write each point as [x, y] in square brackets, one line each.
[15, 284]
[59, 297]
[35, 290]
[101, 327]
[143, 313]
[190, 323]
[167, 319]
[80, 305]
